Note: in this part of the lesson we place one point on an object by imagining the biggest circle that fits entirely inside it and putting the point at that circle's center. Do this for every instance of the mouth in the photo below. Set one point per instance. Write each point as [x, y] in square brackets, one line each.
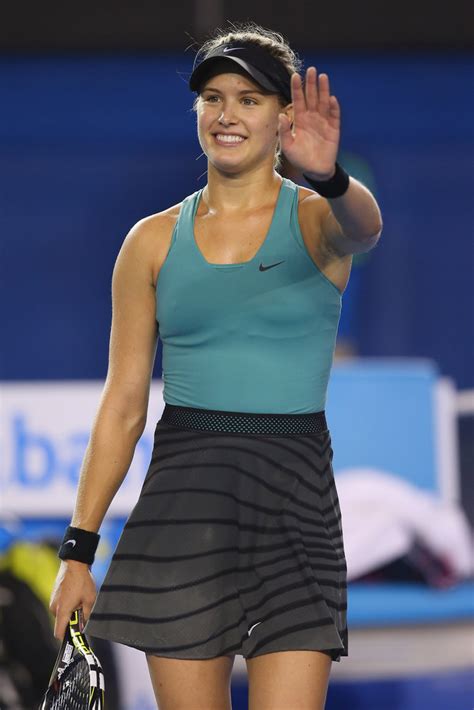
[229, 140]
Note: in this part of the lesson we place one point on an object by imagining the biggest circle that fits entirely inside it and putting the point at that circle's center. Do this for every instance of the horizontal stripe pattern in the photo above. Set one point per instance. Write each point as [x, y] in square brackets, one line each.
[230, 532]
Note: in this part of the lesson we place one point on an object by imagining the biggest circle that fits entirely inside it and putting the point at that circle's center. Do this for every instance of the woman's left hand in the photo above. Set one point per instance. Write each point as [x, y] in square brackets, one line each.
[312, 145]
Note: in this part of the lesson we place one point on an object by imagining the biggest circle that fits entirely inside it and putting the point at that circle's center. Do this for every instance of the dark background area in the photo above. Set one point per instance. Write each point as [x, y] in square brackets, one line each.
[117, 25]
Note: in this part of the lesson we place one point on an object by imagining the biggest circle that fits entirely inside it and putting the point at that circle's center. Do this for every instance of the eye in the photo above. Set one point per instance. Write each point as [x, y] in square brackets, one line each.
[252, 101]
[211, 98]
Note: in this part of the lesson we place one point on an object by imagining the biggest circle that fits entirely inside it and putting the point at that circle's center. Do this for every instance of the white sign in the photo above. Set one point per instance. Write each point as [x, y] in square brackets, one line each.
[44, 432]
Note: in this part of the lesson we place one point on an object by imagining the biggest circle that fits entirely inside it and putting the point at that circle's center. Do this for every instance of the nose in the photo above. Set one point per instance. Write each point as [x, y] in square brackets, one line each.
[223, 119]
[226, 117]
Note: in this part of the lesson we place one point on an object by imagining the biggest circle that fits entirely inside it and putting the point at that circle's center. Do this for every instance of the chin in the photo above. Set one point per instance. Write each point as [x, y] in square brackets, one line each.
[231, 165]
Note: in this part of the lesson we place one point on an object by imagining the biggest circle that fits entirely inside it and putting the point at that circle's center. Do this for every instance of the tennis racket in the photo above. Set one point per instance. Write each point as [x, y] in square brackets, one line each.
[77, 680]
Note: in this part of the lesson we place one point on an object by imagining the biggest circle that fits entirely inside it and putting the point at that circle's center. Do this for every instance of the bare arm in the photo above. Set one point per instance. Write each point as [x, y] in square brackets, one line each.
[121, 415]
[328, 245]
[351, 223]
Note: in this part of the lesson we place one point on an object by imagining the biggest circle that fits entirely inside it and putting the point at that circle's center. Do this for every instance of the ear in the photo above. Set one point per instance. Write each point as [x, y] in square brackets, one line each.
[288, 110]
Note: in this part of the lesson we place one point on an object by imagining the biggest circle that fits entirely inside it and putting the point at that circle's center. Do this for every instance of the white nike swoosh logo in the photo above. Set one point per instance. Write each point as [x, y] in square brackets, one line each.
[251, 629]
[231, 49]
[70, 542]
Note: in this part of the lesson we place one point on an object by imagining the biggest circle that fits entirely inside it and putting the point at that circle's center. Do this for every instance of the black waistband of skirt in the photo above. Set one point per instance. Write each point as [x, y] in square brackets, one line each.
[243, 422]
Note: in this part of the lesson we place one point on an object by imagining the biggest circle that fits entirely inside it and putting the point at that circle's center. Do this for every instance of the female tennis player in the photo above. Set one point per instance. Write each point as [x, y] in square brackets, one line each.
[235, 545]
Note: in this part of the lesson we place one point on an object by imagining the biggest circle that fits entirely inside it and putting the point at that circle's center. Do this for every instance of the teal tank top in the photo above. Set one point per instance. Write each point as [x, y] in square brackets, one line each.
[258, 336]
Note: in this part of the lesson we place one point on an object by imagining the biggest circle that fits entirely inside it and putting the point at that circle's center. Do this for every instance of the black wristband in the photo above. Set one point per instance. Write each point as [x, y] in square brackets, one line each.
[79, 544]
[334, 187]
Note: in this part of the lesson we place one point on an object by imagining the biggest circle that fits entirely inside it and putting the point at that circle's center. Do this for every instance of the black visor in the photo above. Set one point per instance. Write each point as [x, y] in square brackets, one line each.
[264, 69]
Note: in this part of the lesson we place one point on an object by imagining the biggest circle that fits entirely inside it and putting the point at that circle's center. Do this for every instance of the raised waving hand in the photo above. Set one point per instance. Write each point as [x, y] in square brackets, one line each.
[312, 145]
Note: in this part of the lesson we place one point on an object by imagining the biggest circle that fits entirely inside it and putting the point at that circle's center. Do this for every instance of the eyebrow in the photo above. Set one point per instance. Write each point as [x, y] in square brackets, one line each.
[244, 91]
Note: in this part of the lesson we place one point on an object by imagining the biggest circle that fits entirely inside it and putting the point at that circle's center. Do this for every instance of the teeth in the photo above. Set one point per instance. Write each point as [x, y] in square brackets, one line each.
[229, 138]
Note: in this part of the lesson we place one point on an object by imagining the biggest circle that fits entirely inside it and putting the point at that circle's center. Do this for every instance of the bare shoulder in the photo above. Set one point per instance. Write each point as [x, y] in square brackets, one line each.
[311, 211]
[151, 237]
[305, 192]
[311, 206]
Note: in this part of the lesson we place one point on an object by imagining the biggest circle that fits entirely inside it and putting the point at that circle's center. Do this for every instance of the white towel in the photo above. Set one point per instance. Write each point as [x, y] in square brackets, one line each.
[383, 514]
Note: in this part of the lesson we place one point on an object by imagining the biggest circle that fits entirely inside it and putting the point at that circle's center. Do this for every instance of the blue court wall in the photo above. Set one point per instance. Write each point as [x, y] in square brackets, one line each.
[90, 144]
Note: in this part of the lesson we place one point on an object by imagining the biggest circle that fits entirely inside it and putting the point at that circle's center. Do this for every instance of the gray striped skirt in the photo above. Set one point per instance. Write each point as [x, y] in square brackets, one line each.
[235, 545]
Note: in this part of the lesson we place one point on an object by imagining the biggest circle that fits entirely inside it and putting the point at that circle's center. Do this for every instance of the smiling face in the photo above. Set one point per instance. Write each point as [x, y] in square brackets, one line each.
[237, 122]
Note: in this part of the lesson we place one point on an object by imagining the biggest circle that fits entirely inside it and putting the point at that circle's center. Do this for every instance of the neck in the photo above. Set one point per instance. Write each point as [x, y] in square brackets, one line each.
[237, 192]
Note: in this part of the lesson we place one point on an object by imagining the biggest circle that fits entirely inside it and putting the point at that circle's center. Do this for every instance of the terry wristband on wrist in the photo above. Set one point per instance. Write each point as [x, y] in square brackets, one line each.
[79, 544]
[334, 187]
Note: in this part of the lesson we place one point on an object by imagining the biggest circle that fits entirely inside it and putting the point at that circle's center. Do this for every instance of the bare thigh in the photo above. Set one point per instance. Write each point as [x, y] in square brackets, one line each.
[191, 685]
[288, 679]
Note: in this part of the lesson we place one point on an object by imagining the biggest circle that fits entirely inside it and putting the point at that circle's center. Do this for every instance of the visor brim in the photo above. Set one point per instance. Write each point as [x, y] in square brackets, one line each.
[217, 65]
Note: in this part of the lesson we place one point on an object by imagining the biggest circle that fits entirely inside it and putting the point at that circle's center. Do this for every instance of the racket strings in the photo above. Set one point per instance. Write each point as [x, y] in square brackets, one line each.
[74, 688]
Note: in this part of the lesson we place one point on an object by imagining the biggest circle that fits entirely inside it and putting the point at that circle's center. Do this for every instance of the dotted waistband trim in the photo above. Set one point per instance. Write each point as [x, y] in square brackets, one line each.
[243, 422]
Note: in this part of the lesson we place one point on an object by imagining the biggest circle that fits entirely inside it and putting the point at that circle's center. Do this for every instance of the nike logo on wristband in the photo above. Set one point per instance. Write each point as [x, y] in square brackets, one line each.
[70, 542]
[230, 49]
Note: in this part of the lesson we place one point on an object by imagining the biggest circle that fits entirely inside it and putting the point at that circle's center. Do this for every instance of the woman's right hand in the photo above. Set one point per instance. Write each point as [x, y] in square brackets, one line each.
[74, 588]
